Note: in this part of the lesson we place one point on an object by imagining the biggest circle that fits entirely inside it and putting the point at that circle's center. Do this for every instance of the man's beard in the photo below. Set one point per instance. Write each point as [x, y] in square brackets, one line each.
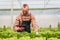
[25, 12]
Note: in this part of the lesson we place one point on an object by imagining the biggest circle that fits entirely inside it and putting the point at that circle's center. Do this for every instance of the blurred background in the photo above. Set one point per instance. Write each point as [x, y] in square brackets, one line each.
[46, 12]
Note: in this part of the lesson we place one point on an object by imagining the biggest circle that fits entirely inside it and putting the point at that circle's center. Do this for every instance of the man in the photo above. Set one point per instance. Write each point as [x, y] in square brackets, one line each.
[23, 21]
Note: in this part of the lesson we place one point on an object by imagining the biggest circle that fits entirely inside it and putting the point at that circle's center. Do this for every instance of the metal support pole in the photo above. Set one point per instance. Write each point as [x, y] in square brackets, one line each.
[11, 12]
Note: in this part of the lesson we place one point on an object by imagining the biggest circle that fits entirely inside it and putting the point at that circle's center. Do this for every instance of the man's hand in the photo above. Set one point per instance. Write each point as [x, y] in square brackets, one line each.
[16, 28]
[36, 33]
[21, 28]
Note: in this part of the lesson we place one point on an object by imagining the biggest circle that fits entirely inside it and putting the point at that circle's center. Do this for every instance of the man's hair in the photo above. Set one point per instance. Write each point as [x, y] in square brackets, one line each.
[24, 5]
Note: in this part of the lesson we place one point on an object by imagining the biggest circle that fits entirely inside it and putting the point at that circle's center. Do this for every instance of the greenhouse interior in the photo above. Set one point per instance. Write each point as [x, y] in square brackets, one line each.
[47, 17]
[46, 12]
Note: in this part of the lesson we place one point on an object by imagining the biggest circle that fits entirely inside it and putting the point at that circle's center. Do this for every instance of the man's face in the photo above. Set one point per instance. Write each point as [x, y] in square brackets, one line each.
[25, 10]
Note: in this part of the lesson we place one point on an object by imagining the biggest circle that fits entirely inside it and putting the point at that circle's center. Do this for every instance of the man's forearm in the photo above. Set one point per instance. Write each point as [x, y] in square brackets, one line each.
[35, 27]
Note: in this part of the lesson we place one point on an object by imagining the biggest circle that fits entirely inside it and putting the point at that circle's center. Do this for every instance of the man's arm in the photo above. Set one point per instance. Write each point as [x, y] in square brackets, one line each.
[16, 23]
[34, 25]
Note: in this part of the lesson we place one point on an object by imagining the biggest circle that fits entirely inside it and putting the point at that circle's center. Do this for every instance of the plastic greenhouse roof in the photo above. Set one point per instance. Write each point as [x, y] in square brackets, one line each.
[31, 3]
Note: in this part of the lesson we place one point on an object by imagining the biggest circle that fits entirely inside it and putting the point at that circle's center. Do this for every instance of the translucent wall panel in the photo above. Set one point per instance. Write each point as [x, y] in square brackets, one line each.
[5, 18]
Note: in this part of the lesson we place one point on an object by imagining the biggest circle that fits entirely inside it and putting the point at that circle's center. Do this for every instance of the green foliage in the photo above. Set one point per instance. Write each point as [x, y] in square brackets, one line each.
[7, 33]
[59, 26]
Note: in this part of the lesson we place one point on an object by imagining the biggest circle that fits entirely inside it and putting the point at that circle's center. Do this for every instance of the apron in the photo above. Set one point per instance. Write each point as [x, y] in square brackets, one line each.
[26, 25]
